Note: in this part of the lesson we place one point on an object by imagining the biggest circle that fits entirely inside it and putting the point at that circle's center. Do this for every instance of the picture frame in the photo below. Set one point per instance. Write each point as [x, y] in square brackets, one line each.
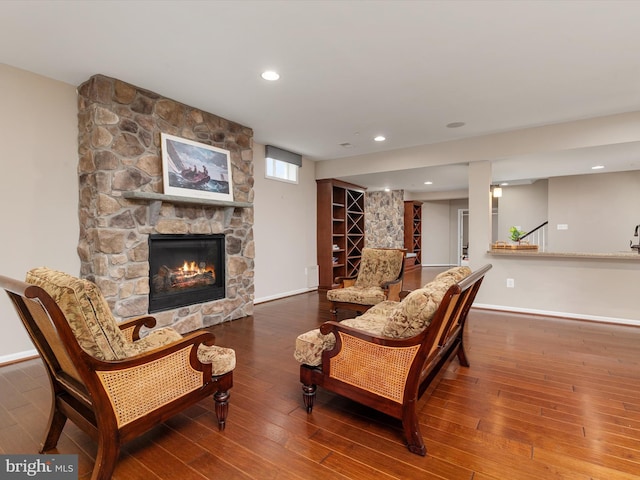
[195, 170]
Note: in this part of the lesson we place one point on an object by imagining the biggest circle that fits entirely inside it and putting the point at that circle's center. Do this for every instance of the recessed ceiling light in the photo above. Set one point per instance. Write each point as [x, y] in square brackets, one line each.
[387, 189]
[270, 75]
[380, 138]
[428, 183]
[504, 184]
[597, 167]
[455, 124]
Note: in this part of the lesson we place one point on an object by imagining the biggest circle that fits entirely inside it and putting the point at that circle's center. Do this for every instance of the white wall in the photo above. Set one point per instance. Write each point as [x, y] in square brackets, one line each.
[436, 244]
[284, 231]
[601, 290]
[600, 211]
[39, 194]
[524, 206]
[440, 231]
[593, 289]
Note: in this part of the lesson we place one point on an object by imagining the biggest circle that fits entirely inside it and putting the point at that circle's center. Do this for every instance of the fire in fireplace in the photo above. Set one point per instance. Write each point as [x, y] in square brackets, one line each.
[185, 269]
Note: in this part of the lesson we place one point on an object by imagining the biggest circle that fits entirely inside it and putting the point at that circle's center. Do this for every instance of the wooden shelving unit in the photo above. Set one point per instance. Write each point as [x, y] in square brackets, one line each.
[413, 233]
[340, 230]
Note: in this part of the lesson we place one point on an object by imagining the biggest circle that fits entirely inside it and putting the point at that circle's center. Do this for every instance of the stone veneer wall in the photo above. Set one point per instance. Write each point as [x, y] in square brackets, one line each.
[384, 219]
[119, 151]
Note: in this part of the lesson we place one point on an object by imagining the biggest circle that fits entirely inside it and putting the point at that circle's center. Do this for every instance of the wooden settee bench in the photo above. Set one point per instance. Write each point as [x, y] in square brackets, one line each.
[387, 357]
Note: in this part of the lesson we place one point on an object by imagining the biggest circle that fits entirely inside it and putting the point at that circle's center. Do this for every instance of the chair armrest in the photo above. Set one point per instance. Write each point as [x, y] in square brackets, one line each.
[345, 282]
[392, 289]
[131, 328]
[192, 340]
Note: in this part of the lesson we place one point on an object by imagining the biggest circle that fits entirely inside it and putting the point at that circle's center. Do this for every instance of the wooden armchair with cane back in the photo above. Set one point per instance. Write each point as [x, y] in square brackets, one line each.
[387, 357]
[379, 278]
[111, 383]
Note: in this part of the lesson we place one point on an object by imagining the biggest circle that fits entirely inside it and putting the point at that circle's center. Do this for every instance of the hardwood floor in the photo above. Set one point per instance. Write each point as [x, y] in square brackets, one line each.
[543, 398]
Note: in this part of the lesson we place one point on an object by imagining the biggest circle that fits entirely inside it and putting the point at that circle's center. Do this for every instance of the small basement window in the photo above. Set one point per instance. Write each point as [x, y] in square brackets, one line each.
[281, 164]
[279, 170]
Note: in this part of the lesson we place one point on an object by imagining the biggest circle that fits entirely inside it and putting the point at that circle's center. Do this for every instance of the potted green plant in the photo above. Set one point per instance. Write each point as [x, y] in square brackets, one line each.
[516, 234]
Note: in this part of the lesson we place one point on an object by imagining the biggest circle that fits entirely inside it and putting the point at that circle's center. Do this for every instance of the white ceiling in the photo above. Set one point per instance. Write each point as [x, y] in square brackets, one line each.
[353, 69]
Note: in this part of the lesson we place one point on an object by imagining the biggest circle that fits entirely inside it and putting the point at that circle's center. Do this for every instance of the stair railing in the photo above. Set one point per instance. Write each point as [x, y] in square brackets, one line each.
[537, 236]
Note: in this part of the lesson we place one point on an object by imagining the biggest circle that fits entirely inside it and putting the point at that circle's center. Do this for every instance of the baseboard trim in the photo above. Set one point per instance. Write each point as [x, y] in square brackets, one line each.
[18, 357]
[569, 315]
[500, 308]
[283, 295]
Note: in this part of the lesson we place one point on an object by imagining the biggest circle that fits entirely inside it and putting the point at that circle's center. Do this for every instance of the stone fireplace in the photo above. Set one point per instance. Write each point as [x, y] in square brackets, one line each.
[121, 203]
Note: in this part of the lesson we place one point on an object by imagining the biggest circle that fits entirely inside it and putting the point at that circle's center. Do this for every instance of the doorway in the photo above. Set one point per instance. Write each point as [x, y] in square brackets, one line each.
[463, 237]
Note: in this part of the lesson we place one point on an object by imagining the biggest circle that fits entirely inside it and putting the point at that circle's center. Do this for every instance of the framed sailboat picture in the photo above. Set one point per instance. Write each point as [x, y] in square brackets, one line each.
[195, 170]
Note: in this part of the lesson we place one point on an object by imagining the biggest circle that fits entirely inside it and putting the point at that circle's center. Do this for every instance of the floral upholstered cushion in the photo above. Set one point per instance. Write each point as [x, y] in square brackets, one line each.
[379, 266]
[222, 359]
[458, 273]
[417, 309]
[382, 310]
[86, 311]
[310, 345]
[155, 339]
[356, 294]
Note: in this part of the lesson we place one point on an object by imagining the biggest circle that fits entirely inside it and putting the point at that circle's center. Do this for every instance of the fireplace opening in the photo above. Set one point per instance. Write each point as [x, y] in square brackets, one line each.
[185, 269]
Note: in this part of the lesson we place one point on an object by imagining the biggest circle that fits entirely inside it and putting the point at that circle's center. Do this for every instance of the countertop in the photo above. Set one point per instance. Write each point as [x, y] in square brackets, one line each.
[632, 256]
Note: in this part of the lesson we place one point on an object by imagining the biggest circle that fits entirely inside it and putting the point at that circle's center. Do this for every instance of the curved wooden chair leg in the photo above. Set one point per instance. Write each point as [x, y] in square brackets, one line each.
[415, 444]
[106, 458]
[57, 420]
[222, 407]
[308, 395]
[462, 356]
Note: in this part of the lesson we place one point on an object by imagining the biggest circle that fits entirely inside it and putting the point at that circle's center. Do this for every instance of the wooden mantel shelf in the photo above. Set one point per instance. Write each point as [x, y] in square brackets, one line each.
[630, 256]
[154, 197]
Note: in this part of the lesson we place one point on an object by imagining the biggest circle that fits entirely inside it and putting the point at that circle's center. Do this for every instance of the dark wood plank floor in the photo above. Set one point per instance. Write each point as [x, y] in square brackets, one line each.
[543, 398]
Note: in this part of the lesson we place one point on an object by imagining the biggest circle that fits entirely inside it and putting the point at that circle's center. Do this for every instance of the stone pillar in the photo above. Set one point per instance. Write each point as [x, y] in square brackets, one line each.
[384, 219]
